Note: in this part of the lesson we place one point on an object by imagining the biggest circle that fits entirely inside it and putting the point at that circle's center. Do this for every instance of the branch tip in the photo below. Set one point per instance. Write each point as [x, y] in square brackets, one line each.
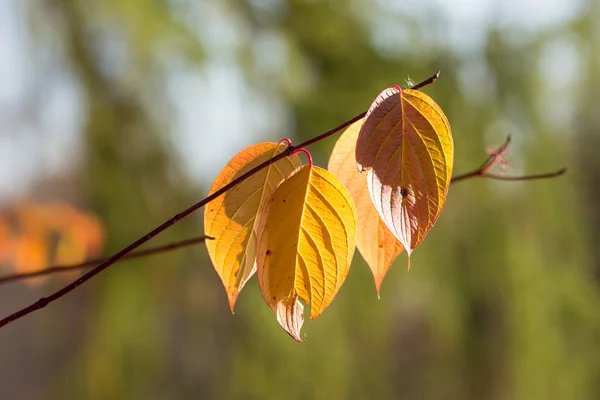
[500, 150]
[426, 82]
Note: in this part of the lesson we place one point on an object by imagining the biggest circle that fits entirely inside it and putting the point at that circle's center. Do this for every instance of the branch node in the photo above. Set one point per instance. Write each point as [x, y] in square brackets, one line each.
[41, 303]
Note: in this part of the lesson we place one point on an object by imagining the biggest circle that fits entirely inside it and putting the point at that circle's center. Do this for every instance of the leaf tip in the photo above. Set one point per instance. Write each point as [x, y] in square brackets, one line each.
[314, 315]
[232, 297]
[378, 281]
[289, 313]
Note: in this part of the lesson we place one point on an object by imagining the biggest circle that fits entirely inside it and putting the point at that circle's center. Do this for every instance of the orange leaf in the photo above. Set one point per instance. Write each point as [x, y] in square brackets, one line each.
[81, 234]
[376, 243]
[232, 218]
[306, 239]
[48, 233]
[406, 146]
[5, 241]
[30, 254]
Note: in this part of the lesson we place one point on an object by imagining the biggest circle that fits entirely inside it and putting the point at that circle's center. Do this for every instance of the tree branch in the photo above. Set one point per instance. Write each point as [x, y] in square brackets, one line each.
[526, 177]
[125, 253]
[90, 263]
[496, 157]
[44, 301]
[481, 172]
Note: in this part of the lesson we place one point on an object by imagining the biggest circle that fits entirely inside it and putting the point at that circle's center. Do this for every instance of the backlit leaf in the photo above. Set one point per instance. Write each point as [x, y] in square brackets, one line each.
[376, 243]
[406, 146]
[232, 218]
[306, 240]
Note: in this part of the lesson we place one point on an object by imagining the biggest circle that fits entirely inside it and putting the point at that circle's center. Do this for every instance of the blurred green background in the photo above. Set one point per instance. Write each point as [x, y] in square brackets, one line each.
[129, 108]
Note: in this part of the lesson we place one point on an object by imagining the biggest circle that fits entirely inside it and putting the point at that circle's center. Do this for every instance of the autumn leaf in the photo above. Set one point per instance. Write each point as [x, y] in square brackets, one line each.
[80, 235]
[34, 235]
[30, 254]
[406, 146]
[232, 218]
[377, 245]
[5, 242]
[306, 240]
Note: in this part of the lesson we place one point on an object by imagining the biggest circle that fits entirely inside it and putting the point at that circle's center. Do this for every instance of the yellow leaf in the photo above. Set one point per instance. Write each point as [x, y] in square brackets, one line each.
[406, 146]
[376, 243]
[306, 240]
[232, 218]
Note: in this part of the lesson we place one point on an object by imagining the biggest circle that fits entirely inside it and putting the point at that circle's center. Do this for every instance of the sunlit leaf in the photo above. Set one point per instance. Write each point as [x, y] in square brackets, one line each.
[231, 219]
[376, 243]
[306, 240]
[406, 146]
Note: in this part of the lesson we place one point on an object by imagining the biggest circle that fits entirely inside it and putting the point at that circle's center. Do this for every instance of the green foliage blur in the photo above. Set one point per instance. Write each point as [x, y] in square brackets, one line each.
[503, 298]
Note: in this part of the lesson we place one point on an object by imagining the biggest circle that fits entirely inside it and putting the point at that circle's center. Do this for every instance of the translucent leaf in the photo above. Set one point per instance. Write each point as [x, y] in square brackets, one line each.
[306, 240]
[406, 146]
[231, 219]
[377, 245]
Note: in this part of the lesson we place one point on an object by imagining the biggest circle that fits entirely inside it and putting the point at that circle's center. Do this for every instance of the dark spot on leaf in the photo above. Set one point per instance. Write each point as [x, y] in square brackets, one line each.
[284, 200]
[268, 252]
[381, 246]
[274, 298]
[403, 192]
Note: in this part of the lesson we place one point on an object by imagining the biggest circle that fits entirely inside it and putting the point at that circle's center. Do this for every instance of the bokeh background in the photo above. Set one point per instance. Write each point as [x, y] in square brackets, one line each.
[127, 109]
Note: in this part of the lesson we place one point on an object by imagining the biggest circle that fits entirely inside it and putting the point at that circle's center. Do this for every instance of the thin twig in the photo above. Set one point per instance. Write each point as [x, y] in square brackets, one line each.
[526, 177]
[90, 263]
[493, 159]
[426, 82]
[44, 301]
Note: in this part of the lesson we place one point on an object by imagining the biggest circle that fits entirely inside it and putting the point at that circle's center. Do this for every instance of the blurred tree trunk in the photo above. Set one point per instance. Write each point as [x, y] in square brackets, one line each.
[131, 179]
